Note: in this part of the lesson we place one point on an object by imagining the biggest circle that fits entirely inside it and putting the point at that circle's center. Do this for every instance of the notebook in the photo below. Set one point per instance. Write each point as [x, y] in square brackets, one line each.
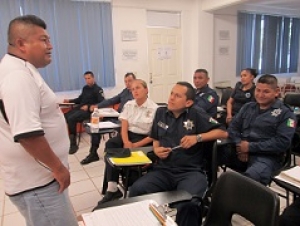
[132, 214]
[136, 158]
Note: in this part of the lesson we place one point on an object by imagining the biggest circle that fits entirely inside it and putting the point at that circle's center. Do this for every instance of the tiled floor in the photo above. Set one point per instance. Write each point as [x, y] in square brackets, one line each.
[84, 191]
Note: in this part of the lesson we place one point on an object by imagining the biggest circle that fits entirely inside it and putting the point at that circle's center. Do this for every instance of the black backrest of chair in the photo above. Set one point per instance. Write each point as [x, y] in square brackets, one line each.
[292, 99]
[237, 194]
[225, 96]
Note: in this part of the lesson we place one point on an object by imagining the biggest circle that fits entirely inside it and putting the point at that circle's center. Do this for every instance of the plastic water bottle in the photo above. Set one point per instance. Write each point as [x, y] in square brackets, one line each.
[95, 121]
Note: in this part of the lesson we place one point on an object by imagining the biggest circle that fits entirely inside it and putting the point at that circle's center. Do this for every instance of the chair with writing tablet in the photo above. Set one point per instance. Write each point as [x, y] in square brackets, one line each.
[237, 194]
[129, 171]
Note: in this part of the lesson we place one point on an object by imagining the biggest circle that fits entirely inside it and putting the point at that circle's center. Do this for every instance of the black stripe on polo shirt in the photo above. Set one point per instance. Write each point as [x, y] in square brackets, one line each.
[29, 134]
[31, 189]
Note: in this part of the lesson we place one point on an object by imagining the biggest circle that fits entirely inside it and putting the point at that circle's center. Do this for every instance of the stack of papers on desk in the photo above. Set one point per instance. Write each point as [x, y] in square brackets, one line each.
[132, 214]
[107, 125]
[291, 176]
[108, 112]
[136, 158]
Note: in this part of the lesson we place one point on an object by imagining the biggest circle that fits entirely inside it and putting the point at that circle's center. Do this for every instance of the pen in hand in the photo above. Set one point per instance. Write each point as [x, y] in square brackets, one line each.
[177, 147]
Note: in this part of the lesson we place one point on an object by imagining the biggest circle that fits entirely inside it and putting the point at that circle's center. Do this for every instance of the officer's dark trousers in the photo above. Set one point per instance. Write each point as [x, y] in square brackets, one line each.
[259, 167]
[189, 214]
[112, 173]
[74, 116]
[291, 215]
[158, 180]
[96, 137]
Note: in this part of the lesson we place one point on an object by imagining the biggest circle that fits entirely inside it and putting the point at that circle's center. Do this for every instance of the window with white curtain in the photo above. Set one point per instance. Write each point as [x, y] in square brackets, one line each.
[81, 35]
[268, 43]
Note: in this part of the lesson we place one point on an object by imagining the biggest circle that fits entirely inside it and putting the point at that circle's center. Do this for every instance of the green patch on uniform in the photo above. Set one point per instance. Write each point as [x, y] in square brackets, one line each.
[210, 98]
[212, 120]
[291, 123]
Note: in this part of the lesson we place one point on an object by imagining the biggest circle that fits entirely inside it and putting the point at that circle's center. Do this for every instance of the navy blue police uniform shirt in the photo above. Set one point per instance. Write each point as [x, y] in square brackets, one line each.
[269, 131]
[241, 97]
[121, 99]
[90, 95]
[207, 99]
[169, 130]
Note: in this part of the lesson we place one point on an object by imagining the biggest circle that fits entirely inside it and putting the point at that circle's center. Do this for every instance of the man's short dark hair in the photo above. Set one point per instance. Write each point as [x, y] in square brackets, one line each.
[252, 71]
[89, 73]
[268, 79]
[190, 93]
[26, 20]
[201, 70]
[130, 74]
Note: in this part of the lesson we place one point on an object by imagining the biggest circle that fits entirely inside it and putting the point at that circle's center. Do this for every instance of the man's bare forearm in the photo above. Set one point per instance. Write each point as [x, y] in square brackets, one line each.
[39, 148]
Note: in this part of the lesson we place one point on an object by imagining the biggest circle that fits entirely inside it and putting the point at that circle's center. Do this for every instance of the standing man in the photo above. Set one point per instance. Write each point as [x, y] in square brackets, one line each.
[120, 99]
[262, 131]
[33, 135]
[91, 94]
[206, 97]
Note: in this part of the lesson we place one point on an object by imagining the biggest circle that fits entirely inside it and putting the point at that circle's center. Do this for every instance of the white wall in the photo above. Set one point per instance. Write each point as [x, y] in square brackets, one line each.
[131, 15]
[225, 65]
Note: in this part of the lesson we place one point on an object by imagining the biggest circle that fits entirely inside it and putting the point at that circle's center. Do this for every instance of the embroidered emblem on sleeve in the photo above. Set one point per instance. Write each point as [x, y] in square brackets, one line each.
[291, 123]
[188, 124]
[276, 112]
[210, 98]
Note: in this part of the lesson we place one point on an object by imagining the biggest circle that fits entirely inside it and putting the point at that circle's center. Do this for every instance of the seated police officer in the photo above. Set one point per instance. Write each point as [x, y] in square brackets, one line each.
[242, 93]
[120, 99]
[181, 126]
[136, 122]
[262, 132]
[206, 98]
[91, 94]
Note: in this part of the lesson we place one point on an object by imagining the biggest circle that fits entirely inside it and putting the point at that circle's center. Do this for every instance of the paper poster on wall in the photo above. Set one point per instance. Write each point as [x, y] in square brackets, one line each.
[129, 35]
[129, 54]
[224, 35]
[160, 53]
[168, 52]
[223, 50]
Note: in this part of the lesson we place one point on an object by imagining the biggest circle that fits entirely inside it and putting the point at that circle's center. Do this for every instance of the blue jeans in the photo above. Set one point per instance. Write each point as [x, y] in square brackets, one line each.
[46, 207]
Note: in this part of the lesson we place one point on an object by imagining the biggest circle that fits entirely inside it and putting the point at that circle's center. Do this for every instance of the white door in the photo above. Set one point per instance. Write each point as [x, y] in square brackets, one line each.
[164, 54]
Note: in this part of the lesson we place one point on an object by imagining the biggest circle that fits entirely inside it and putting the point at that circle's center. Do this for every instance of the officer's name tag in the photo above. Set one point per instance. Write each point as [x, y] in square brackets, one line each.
[162, 125]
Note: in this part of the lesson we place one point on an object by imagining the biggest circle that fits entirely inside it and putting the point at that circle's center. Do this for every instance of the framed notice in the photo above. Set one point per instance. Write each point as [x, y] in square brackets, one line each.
[223, 50]
[129, 54]
[224, 35]
[129, 35]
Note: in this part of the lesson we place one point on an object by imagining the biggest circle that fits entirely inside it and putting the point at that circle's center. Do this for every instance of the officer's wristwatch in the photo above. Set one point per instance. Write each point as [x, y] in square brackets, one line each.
[199, 138]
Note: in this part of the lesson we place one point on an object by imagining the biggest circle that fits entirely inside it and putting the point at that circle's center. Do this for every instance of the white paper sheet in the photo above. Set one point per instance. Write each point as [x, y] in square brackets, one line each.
[133, 214]
[106, 125]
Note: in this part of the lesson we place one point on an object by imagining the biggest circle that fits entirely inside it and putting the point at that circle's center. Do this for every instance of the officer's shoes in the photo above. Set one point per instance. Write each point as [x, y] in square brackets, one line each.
[110, 196]
[90, 158]
[73, 149]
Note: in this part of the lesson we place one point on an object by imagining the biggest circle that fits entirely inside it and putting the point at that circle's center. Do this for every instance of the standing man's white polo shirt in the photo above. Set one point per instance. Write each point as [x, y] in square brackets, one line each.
[32, 110]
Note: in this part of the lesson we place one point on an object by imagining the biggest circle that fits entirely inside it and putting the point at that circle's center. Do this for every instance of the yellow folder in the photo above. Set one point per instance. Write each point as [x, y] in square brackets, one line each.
[136, 158]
